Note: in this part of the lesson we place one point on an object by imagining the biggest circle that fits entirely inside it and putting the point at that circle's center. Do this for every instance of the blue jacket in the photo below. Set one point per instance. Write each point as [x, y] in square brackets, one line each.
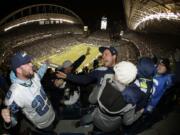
[92, 77]
[160, 84]
[138, 93]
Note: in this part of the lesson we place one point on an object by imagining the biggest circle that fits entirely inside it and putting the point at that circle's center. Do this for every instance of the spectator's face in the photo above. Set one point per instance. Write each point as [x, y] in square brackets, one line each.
[68, 70]
[26, 70]
[161, 69]
[58, 82]
[108, 59]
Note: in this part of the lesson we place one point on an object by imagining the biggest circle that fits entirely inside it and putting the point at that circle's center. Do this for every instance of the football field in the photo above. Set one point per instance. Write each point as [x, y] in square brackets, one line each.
[72, 53]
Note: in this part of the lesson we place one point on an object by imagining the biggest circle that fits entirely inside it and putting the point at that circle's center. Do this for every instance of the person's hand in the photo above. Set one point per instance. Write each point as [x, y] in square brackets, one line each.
[58, 82]
[88, 51]
[61, 75]
[47, 62]
[142, 110]
[6, 115]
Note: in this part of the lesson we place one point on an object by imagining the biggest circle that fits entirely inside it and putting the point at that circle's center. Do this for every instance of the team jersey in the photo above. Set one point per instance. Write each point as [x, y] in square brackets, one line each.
[33, 102]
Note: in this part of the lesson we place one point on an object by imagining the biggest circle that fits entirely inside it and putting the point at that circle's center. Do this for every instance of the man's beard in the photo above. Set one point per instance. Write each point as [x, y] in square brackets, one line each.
[107, 64]
[29, 76]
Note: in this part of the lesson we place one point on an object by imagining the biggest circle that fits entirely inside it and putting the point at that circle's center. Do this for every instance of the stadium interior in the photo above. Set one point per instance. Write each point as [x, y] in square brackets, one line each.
[58, 32]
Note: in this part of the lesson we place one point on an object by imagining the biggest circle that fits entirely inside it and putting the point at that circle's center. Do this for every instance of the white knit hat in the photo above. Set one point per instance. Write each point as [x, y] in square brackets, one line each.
[125, 72]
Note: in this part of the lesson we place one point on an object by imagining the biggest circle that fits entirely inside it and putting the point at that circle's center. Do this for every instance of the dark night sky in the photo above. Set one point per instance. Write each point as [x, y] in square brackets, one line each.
[88, 10]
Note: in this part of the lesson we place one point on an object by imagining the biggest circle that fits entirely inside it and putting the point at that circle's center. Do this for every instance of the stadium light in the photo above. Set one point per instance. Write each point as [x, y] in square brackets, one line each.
[61, 20]
[85, 28]
[103, 23]
[38, 20]
[157, 16]
[22, 23]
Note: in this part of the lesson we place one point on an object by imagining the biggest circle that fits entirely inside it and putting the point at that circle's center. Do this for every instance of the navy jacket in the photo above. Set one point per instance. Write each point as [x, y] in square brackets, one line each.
[92, 77]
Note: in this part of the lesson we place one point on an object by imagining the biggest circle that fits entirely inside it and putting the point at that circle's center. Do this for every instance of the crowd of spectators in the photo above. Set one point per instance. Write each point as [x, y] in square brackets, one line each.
[76, 88]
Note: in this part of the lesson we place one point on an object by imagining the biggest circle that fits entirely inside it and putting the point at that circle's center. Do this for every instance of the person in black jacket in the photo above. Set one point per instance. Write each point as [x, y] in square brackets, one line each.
[109, 58]
[70, 67]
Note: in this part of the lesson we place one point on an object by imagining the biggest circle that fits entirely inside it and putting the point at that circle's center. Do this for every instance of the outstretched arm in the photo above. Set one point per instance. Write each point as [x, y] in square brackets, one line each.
[42, 70]
[79, 79]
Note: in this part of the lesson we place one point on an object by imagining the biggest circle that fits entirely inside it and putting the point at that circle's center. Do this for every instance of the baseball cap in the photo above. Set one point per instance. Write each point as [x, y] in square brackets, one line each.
[111, 49]
[146, 68]
[67, 63]
[18, 59]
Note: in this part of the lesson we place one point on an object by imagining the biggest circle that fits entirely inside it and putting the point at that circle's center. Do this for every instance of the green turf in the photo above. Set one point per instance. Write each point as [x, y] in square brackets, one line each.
[72, 53]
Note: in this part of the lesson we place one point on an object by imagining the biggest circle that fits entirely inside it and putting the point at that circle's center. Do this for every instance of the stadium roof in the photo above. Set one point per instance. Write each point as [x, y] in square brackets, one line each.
[88, 10]
[159, 16]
